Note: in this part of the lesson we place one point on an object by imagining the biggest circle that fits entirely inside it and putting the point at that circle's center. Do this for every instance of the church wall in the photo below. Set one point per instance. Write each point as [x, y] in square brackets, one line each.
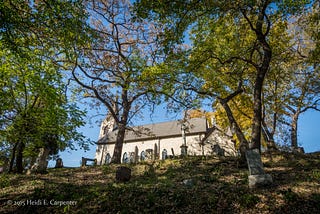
[216, 144]
[221, 144]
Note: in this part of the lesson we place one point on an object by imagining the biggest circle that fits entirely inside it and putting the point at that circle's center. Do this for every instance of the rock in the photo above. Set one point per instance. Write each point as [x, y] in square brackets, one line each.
[259, 180]
[123, 174]
[188, 182]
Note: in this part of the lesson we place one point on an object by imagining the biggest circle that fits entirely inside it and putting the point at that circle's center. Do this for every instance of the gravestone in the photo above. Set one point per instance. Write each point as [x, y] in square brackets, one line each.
[123, 174]
[164, 154]
[217, 150]
[155, 155]
[299, 150]
[257, 176]
[172, 151]
[184, 150]
[131, 157]
[59, 163]
[149, 154]
[136, 155]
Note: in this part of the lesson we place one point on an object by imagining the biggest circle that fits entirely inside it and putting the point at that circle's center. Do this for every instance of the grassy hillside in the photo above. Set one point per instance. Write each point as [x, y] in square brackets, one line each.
[192, 185]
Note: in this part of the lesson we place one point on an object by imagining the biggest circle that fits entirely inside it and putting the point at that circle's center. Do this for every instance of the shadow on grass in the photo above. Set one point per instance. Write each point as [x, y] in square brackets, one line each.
[192, 185]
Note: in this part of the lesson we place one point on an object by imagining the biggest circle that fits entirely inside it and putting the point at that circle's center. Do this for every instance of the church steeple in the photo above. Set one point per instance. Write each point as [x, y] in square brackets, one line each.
[109, 123]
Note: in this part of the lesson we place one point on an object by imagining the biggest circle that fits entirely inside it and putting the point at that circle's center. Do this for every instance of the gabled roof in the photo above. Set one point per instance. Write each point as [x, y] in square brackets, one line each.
[158, 130]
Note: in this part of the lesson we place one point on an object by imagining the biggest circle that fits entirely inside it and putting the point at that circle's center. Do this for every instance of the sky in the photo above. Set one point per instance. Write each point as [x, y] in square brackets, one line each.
[308, 130]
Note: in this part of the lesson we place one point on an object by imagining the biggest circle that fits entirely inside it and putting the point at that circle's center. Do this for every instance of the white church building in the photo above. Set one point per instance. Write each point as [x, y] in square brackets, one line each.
[164, 140]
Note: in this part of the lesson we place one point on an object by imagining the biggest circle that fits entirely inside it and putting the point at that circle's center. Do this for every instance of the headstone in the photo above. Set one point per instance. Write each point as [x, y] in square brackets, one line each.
[164, 154]
[257, 176]
[155, 155]
[217, 150]
[184, 150]
[299, 150]
[123, 174]
[259, 180]
[59, 163]
[131, 157]
[136, 154]
[172, 151]
[254, 162]
[149, 154]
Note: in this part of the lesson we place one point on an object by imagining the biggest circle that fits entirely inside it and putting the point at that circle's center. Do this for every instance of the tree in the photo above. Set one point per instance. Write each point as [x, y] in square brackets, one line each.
[35, 112]
[231, 47]
[37, 37]
[292, 83]
[57, 24]
[111, 71]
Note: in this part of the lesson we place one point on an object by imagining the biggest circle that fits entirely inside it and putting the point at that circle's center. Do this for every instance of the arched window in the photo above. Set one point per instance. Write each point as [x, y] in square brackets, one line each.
[164, 154]
[142, 156]
[125, 158]
[108, 158]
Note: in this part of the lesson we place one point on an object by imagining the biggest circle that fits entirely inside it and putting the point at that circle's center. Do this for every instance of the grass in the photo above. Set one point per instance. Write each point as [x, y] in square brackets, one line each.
[192, 185]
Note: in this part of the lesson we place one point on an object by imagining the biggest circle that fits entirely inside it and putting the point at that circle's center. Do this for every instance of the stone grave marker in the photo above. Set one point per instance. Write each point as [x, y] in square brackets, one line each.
[257, 176]
[59, 163]
[123, 174]
[254, 162]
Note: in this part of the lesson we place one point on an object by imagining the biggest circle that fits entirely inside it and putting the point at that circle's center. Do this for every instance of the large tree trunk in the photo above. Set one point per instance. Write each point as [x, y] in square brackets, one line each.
[41, 163]
[116, 158]
[294, 130]
[122, 126]
[258, 85]
[235, 128]
[13, 157]
[19, 157]
[257, 112]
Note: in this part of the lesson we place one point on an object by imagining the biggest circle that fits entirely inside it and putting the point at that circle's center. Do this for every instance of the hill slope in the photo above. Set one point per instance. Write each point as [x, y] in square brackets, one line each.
[192, 185]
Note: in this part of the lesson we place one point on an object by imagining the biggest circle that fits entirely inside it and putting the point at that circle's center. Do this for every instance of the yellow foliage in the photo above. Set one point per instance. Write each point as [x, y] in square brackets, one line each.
[198, 113]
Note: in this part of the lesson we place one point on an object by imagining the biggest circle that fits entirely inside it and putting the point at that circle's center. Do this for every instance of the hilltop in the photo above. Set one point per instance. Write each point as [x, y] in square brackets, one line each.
[191, 185]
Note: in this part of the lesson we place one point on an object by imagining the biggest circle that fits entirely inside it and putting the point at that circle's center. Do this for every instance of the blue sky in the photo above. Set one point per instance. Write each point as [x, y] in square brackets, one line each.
[309, 133]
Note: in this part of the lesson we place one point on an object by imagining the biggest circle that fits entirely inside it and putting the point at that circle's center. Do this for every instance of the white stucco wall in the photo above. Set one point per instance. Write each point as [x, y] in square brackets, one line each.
[193, 142]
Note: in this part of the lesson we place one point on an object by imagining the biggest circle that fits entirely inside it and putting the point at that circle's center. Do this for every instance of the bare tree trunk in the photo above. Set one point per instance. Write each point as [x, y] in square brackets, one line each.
[236, 129]
[262, 68]
[116, 158]
[41, 163]
[122, 126]
[13, 157]
[268, 137]
[294, 131]
[233, 123]
[19, 157]
[257, 115]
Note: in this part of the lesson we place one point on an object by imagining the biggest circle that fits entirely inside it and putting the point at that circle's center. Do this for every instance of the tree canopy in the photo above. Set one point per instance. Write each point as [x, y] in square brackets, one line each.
[235, 49]
[36, 38]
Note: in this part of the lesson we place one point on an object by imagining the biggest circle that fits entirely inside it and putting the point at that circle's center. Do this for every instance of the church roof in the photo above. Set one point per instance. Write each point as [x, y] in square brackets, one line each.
[159, 130]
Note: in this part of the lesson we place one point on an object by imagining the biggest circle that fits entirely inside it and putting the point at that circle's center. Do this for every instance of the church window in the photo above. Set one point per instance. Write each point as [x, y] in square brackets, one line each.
[125, 158]
[108, 158]
[143, 156]
[164, 154]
